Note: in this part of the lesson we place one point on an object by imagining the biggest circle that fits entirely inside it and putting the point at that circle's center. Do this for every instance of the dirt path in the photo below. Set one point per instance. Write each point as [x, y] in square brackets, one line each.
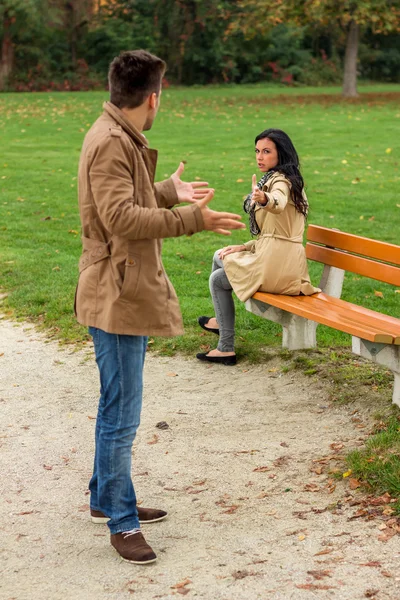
[232, 469]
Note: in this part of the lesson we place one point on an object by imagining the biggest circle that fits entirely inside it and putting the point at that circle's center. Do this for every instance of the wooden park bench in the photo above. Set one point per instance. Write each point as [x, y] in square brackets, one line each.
[375, 336]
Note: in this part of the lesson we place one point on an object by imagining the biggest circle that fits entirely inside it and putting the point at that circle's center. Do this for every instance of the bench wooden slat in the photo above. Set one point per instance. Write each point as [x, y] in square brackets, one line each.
[362, 316]
[355, 264]
[392, 323]
[301, 305]
[354, 243]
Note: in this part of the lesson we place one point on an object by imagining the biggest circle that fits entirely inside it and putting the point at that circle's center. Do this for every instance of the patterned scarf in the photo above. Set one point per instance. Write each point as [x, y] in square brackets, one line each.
[249, 208]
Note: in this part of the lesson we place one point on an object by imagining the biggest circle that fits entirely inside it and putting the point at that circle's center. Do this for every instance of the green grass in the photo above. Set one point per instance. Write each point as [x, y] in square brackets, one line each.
[350, 156]
[350, 153]
[346, 377]
[378, 464]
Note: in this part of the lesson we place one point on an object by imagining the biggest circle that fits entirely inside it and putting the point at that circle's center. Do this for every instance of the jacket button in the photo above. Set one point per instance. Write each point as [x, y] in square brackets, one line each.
[159, 273]
[131, 261]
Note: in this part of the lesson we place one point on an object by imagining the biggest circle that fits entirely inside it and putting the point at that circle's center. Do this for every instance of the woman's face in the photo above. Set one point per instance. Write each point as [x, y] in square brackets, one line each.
[266, 155]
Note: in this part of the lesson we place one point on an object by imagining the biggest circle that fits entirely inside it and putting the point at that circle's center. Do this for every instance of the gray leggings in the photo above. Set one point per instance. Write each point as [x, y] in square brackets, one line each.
[221, 293]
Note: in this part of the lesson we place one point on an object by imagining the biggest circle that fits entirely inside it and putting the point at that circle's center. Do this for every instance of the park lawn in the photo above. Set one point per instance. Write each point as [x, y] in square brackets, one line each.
[349, 152]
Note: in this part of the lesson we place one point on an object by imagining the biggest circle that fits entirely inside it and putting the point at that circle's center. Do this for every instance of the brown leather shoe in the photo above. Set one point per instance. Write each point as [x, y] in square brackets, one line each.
[132, 547]
[146, 515]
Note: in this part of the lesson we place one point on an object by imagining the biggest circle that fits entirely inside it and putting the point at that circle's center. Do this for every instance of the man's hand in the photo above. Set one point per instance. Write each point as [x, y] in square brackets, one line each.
[231, 250]
[258, 195]
[188, 192]
[220, 222]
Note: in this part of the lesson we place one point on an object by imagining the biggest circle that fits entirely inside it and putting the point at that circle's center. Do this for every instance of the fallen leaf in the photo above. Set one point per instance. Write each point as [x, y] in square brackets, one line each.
[320, 574]
[370, 593]
[325, 551]
[172, 375]
[354, 483]
[317, 470]
[378, 294]
[239, 180]
[337, 446]
[153, 440]
[27, 512]
[372, 563]
[231, 509]
[48, 467]
[260, 469]
[83, 508]
[281, 461]
[181, 584]
[311, 487]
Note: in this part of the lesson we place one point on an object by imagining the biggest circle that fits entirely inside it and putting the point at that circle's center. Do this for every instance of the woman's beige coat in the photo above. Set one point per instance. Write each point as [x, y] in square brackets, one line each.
[275, 262]
[123, 287]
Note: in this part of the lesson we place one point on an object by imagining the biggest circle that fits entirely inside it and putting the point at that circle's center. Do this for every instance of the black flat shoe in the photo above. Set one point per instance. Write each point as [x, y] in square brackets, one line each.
[202, 321]
[222, 360]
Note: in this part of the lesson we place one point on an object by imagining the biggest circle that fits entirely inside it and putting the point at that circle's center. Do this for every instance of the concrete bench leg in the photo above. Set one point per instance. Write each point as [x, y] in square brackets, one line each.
[396, 389]
[297, 333]
[387, 355]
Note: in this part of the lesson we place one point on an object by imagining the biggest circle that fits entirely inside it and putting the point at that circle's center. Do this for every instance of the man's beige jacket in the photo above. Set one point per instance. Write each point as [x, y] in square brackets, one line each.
[123, 287]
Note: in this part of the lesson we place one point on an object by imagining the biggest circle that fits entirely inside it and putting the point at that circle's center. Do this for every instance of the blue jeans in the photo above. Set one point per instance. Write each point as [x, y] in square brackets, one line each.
[120, 359]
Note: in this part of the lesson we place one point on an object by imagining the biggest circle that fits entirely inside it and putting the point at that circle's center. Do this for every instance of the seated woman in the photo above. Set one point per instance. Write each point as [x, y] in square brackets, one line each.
[275, 261]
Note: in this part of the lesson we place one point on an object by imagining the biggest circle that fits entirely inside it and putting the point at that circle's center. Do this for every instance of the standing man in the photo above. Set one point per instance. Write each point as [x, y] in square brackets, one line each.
[123, 293]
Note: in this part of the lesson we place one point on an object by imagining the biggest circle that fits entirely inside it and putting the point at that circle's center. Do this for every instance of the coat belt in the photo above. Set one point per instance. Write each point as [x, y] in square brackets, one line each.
[295, 240]
[93, 251]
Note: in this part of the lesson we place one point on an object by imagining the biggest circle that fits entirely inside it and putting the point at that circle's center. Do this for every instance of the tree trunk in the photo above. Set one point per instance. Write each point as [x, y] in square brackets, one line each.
[350, 61]
[7, 55]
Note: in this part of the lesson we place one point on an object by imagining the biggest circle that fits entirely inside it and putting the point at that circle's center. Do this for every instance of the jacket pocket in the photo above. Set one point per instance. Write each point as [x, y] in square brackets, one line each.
[131, 277]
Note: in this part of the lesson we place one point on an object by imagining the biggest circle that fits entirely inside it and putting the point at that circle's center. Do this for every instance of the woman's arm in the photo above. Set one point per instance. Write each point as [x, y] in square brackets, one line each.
[277, 196]
[274, 196]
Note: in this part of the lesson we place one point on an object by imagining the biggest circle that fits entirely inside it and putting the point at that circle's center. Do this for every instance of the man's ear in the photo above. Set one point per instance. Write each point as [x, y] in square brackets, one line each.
[153, 100]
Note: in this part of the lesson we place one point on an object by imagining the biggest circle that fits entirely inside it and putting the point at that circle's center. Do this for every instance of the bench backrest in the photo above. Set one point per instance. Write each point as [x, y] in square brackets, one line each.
[371, 258]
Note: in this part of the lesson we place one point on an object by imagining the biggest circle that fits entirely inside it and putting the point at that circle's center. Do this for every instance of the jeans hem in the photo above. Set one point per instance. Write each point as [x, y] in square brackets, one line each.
[124, 528]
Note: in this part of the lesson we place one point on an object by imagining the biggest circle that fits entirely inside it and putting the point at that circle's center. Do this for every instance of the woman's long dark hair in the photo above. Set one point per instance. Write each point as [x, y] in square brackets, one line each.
[288, 164]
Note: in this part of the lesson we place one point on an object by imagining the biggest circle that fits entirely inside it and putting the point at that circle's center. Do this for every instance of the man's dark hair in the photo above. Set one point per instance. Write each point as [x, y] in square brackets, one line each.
[134, 75]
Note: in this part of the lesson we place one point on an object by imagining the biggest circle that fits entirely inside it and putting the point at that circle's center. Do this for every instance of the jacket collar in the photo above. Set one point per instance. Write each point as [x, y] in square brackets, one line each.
[120, 118]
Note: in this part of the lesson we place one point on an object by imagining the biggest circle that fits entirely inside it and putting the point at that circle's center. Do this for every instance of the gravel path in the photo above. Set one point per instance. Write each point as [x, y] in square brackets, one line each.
[248, 518]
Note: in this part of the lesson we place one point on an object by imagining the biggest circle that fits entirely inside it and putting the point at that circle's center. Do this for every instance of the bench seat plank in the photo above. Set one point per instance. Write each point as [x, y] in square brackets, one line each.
[391, 322]
[338, 317]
